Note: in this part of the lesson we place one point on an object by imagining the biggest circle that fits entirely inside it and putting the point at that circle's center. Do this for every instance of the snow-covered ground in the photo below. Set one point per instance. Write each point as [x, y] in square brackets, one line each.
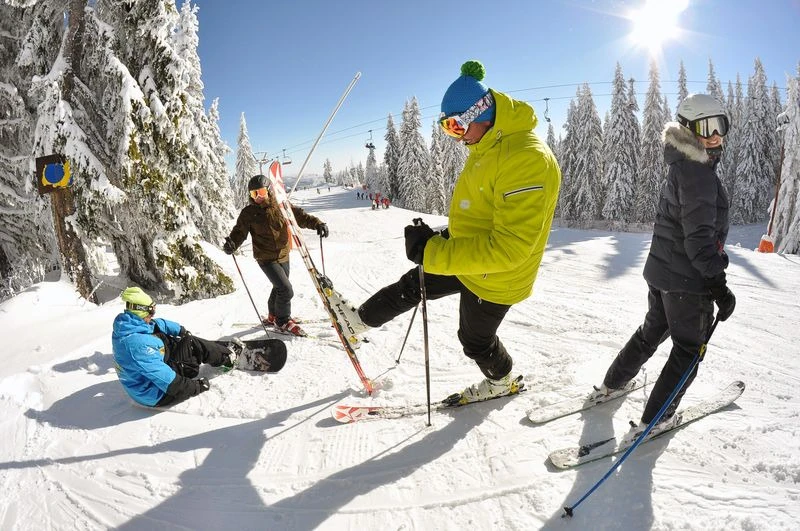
[262, 452]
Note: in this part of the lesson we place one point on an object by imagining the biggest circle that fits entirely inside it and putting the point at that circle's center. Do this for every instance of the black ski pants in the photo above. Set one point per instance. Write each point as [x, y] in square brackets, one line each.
[184, 354]
[687, 318]
[477, 324]
[279, 303]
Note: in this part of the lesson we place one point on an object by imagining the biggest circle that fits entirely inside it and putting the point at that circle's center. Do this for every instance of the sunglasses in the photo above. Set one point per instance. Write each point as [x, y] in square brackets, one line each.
[261, 192]
[708, 127]
[151, 309]
[455, 125]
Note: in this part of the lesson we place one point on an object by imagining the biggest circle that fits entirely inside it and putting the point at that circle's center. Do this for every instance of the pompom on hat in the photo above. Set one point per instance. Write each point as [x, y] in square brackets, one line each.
[137, 302]
[467, 90]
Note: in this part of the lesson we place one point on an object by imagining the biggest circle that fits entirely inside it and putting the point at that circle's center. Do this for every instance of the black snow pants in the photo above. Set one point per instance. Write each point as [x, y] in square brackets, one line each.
[477, 324]
[687, 318]
[184, 354]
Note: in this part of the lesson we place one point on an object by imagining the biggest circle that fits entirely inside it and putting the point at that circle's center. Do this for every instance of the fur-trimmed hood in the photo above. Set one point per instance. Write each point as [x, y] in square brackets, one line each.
[683, 143]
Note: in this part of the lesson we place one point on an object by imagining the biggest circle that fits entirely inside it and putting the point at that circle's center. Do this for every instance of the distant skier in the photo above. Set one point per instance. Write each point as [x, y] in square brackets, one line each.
[157, 359]
[499, 222]
[685, 269]
[262, 220]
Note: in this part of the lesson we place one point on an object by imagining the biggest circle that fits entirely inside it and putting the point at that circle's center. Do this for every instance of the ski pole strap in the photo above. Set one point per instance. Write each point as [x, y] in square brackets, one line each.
[568, 511]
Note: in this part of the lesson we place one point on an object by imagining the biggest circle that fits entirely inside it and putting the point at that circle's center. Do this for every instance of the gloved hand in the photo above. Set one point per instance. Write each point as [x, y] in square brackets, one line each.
[722, 295]
[229, 247]
[417, 236]
[184, 332]
[322, 230]
[445, 233]
[203, 385]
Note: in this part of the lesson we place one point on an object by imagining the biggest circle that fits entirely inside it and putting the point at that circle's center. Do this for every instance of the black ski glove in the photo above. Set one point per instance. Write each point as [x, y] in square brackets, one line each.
[417, 236]
[203, 385]
[726, 302]
[229, 247]
[322, 230]
[184, 332]
[445, 233]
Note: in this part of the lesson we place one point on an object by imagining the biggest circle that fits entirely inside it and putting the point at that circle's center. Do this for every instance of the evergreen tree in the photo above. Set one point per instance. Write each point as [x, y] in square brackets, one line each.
[371, 171]
[754, 173]
[327, 171]
[714, 87]
[786, 225]
[569, 148]
[682, 90]
[246, 165]
[413, 160]
[776, 142]
[437, 189]
[588, 166]
[551, 139]
[391, 158]
[652, 169]
[622, 142]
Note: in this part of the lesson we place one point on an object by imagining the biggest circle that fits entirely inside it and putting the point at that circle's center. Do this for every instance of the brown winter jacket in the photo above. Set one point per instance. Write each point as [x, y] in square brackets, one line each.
[268, 229]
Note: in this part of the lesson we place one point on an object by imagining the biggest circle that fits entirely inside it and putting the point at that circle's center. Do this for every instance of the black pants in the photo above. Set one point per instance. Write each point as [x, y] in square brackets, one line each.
[185, 354]
[279, 303]
[477, 324]
[687, 318]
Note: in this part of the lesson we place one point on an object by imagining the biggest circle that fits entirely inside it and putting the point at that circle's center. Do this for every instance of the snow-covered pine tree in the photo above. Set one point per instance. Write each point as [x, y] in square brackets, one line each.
[391, 158]
[777, 139]
[30, 43]
[713, 86]
[755, 173]
[569, 147]
[682, 90]
[551, 139]
[371, 171]
[730, 143]
[622, 142]
[327, 171]
[651, 154]
[246, 165]
[786, 225]
[588, 163]
[437, 193]
[360, 174]
[413, 160]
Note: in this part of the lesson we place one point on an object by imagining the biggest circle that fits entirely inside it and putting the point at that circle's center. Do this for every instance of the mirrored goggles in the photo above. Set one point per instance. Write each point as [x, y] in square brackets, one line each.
[456, 125]
[260, 192]
[708, 127]
[151, 309]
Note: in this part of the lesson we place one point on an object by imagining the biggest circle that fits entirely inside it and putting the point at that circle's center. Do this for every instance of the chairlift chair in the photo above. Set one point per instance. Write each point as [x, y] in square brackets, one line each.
[286, 160]
[369, 144]
[547, 109]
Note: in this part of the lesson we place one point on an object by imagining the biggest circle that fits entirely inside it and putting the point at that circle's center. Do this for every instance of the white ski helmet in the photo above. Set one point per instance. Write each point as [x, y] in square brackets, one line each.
[700, 107]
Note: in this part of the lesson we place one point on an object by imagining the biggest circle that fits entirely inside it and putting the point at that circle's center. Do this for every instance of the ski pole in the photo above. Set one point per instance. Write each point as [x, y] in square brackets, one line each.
[324, 128]
[407, 332]
[322, 255]
[424, 303]
[251, 297]
[568, 511]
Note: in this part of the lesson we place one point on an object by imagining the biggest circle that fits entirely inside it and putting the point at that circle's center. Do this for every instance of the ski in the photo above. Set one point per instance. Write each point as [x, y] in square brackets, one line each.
[348, 414]
[557, 410]
[586, 453]
[331, 299]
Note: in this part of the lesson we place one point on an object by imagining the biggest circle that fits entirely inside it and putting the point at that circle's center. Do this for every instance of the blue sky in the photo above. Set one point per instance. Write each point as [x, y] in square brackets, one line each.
[286, 63]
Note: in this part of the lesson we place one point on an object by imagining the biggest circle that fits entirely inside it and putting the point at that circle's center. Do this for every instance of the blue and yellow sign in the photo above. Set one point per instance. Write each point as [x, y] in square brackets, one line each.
[52, 173]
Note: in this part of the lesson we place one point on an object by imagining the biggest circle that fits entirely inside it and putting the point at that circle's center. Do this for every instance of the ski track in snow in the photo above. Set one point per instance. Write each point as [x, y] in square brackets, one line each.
[260, 451]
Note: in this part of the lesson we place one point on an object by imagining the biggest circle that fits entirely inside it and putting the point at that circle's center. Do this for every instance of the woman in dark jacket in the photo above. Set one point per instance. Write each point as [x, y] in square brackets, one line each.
[685, 270]
[262, 219]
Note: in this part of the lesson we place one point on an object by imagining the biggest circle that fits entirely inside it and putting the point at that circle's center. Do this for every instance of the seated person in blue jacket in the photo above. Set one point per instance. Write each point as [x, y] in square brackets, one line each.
[158, 360]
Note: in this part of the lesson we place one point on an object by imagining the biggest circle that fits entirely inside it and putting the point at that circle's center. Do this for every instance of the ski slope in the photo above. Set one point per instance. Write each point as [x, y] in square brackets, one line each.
[262, 451]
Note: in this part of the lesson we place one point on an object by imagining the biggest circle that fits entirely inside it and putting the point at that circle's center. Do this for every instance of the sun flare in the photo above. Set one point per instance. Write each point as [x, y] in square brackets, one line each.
[656, 23]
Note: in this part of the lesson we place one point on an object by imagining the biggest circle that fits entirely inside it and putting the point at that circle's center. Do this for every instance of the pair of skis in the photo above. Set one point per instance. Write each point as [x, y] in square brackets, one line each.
[331, 299]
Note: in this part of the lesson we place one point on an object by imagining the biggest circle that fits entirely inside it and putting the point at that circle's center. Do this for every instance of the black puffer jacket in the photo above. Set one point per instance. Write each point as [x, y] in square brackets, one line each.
[268, 229]
[691, 220]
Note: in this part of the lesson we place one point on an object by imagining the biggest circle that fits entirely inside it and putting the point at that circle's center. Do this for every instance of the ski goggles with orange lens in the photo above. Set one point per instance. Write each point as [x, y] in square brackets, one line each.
[150, 309]
[259, 192]
[456, 125]
[708, 127]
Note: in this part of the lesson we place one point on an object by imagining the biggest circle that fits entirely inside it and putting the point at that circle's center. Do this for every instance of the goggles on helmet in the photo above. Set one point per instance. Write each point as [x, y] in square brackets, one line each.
[456, 124]
[150, 309]
[259, 192]
[708, 127]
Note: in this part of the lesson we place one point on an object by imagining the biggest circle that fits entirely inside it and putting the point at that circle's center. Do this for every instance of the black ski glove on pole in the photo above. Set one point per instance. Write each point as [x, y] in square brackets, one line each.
[229, 247]
[322, 230]
[722, 295]
[417, 236]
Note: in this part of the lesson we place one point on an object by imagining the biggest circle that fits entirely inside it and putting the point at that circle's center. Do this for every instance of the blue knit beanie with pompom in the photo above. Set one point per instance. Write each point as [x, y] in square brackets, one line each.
[465, 91]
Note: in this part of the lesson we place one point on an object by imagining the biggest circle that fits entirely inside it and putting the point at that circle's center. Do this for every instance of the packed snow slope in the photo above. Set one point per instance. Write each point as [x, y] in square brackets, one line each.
[262, 451]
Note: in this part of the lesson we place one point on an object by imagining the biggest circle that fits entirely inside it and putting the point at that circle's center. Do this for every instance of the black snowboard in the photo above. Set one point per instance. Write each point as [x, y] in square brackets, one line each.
[261, 355]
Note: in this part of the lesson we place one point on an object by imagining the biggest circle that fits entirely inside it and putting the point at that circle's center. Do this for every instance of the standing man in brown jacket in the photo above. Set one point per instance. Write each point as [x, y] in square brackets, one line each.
[261, 218]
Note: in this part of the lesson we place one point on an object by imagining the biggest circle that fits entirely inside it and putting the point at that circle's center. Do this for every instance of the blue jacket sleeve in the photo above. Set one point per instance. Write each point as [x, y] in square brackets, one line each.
[171, 328]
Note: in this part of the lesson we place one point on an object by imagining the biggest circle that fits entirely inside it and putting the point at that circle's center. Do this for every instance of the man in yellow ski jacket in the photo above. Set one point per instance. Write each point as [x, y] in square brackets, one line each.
[499, 222]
